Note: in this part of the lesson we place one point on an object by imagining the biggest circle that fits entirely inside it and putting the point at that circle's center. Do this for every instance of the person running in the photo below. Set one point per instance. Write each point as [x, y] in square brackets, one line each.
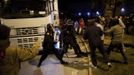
[93, 34]
[117, 32]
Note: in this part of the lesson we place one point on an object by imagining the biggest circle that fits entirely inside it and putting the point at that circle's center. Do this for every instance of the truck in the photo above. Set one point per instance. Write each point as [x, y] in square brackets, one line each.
[28, 19]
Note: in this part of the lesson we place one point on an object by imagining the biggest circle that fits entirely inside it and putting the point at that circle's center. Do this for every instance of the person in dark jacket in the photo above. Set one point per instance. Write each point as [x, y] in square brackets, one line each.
[69, 39]
[49, 46]
[93, 34]
[68, 34]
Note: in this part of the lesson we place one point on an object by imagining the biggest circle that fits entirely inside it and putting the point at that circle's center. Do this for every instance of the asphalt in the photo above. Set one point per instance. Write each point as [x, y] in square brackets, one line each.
[52, 66]
[76, 66]
[128, 40]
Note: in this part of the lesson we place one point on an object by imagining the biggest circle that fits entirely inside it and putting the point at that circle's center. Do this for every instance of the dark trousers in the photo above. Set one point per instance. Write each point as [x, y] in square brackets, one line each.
[119, 46]
[72, 43]
[46, 53]
[101, 48]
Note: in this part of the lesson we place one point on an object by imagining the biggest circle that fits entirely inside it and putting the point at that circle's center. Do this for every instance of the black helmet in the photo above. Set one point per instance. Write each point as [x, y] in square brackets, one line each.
[49, 27]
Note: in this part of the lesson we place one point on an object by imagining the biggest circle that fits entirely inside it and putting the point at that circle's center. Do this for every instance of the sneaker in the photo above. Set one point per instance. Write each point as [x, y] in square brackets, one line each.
[93, 66]
[125, 62]
[63, 62]
[109, 64]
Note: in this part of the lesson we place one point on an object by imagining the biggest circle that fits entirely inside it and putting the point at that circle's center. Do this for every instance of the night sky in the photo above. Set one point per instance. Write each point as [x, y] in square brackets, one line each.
[84, 6]
[76, 6]
[73, 5]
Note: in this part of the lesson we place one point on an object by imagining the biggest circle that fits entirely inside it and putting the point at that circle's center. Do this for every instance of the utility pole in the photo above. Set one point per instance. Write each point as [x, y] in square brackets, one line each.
[109, 5]
[112, 7]
[2, 5]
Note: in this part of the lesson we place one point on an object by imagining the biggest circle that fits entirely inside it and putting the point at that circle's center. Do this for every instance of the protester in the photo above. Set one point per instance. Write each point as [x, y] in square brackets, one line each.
[11, 57]
[98, 24]
[93, 35]
[49, 46]
[117, 32]
[81, 25]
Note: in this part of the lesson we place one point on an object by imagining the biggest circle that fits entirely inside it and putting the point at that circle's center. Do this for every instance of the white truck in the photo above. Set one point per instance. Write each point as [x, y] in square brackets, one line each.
[28, 24]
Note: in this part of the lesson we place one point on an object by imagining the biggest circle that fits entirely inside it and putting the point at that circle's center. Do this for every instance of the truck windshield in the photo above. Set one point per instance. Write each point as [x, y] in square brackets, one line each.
[11, 9]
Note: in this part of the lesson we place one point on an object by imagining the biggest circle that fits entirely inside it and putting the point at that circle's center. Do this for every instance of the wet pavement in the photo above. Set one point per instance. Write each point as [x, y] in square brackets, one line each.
[52, 66]
[76, 66]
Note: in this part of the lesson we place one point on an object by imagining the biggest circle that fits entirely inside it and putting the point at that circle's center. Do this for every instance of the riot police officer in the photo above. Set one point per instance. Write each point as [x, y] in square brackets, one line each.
[48, 46]
[69, 39]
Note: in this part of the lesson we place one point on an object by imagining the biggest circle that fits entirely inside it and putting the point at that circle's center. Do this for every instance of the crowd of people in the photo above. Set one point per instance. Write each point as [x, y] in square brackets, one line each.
[92, 30]
[94, 33]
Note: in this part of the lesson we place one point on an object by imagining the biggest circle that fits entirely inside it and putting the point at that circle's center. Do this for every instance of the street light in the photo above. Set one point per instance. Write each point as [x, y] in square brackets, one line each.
[88, 13]
[97, 13]
[79, 13]
[122, 10]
